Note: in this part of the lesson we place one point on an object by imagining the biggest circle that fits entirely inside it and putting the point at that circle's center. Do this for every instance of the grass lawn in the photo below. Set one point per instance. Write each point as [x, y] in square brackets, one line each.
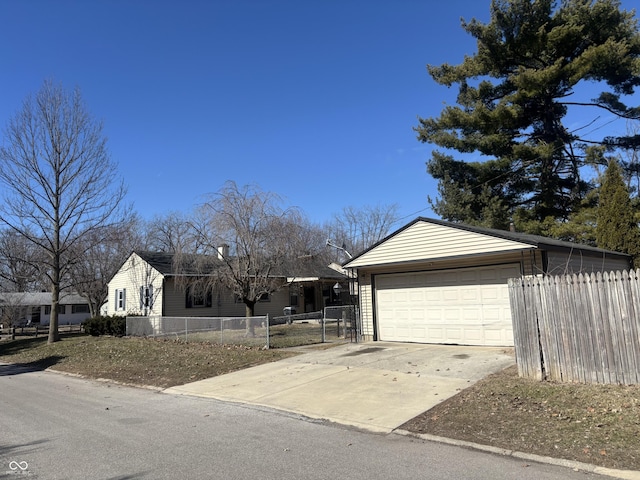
[597, 424]
[160, 363]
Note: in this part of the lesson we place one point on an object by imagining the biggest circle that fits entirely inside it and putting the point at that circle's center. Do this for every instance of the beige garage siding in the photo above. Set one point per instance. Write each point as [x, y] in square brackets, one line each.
[422, 241]
[467, 306]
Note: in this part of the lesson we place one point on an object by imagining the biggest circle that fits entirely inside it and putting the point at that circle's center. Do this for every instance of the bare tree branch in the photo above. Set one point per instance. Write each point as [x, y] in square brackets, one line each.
[60, 185]
[255, 241]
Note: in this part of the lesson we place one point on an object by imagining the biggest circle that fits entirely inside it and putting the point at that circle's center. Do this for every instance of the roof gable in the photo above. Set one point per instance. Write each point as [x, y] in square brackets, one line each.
[428, 239]
[423, 240]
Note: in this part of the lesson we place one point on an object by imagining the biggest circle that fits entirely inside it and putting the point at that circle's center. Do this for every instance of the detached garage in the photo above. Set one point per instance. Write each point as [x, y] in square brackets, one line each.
[439, 282]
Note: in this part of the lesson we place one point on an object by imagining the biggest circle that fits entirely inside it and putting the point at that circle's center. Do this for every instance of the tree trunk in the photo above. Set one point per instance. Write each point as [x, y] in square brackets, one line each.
[54, 336]
[93, 309]
[249, 311]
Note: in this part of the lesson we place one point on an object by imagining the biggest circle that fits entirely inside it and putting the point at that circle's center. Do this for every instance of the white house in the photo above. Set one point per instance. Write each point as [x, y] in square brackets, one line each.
[30, 308]
[147, 284]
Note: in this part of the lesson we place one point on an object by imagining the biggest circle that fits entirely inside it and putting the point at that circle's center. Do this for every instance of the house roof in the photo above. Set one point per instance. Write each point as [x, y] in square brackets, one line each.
[533, 241]
[164, 263]
[161, 261]
[39, 298]
[313, 268]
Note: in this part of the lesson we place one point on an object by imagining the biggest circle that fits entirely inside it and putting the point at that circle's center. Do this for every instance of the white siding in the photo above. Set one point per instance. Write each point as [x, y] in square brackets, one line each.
[134, 274]
[65, 316]
[424, 241]
[366, 306]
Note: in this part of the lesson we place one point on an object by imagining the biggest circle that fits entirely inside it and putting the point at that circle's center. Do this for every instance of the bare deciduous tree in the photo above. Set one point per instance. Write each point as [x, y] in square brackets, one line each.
[253, 237]
[356, 229]
[20, 264]
[170, 233]
[98, 255]
[13, 312]
[59, 182]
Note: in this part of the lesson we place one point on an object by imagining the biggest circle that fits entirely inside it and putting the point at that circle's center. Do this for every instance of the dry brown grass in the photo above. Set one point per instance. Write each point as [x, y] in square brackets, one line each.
[597, 424]
[140, 361]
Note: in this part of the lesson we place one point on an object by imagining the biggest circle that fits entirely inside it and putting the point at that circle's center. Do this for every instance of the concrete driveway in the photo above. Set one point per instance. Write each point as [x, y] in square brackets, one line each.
[375, 386]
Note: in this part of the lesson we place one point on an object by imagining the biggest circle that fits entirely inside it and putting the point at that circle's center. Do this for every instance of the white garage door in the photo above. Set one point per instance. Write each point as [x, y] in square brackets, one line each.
[467, 306]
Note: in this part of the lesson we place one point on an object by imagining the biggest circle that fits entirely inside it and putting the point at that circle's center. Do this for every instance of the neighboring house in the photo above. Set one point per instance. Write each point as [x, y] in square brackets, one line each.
[439, 282]
[34, 308]
[147, 284]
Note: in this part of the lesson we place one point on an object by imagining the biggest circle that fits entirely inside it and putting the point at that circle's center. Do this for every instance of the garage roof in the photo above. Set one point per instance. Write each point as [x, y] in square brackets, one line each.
[429, 239]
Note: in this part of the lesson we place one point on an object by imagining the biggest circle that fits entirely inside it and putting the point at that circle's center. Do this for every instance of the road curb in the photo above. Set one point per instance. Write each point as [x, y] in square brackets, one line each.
[578, 466]
[106, 380]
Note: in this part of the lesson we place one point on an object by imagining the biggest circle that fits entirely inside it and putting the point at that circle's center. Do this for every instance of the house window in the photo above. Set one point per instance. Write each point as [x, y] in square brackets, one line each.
[80, 308]
[47, 309]
[121, 299]
[146, 296]
[265, 297]
[198, 296]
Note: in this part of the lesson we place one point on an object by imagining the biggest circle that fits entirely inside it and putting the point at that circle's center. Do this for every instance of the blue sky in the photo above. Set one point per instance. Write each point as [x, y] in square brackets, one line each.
[312, 99]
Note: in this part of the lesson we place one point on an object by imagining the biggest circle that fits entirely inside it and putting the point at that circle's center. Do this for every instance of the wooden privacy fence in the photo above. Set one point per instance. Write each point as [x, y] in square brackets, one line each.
[578, 328]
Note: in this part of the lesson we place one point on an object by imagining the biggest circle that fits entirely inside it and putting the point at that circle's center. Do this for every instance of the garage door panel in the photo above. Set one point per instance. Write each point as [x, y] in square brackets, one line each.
[416, 295]
[473, 335]
[453, 335]
[490, 293]
[469, 294]
[466, 306]
[450, 295]
[433, 295]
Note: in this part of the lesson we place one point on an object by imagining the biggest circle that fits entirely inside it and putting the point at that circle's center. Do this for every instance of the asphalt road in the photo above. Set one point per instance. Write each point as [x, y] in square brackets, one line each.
[54, 426]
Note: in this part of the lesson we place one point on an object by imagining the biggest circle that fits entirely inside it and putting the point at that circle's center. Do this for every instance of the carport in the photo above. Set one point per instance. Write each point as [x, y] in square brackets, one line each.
[440, 282]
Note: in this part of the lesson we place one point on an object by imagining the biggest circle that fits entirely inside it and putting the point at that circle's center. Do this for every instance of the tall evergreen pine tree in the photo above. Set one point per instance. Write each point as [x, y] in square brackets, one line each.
[617, 228]
[533, 58]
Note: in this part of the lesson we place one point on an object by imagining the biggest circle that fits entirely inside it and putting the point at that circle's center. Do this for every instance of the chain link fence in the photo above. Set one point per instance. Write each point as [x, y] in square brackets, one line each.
[328, 325]
[253, 331]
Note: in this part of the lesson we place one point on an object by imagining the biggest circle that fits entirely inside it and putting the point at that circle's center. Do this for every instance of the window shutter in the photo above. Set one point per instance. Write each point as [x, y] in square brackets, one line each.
[150, 296]
[124, 298]
[141, 298]
[115, 305]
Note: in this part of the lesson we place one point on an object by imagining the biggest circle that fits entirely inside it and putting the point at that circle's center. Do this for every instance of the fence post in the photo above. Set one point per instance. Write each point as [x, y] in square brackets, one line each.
[186, 328]
[267, 320]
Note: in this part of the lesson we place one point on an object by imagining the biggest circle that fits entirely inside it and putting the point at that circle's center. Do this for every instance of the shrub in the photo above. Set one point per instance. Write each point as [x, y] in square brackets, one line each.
[105, 325]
